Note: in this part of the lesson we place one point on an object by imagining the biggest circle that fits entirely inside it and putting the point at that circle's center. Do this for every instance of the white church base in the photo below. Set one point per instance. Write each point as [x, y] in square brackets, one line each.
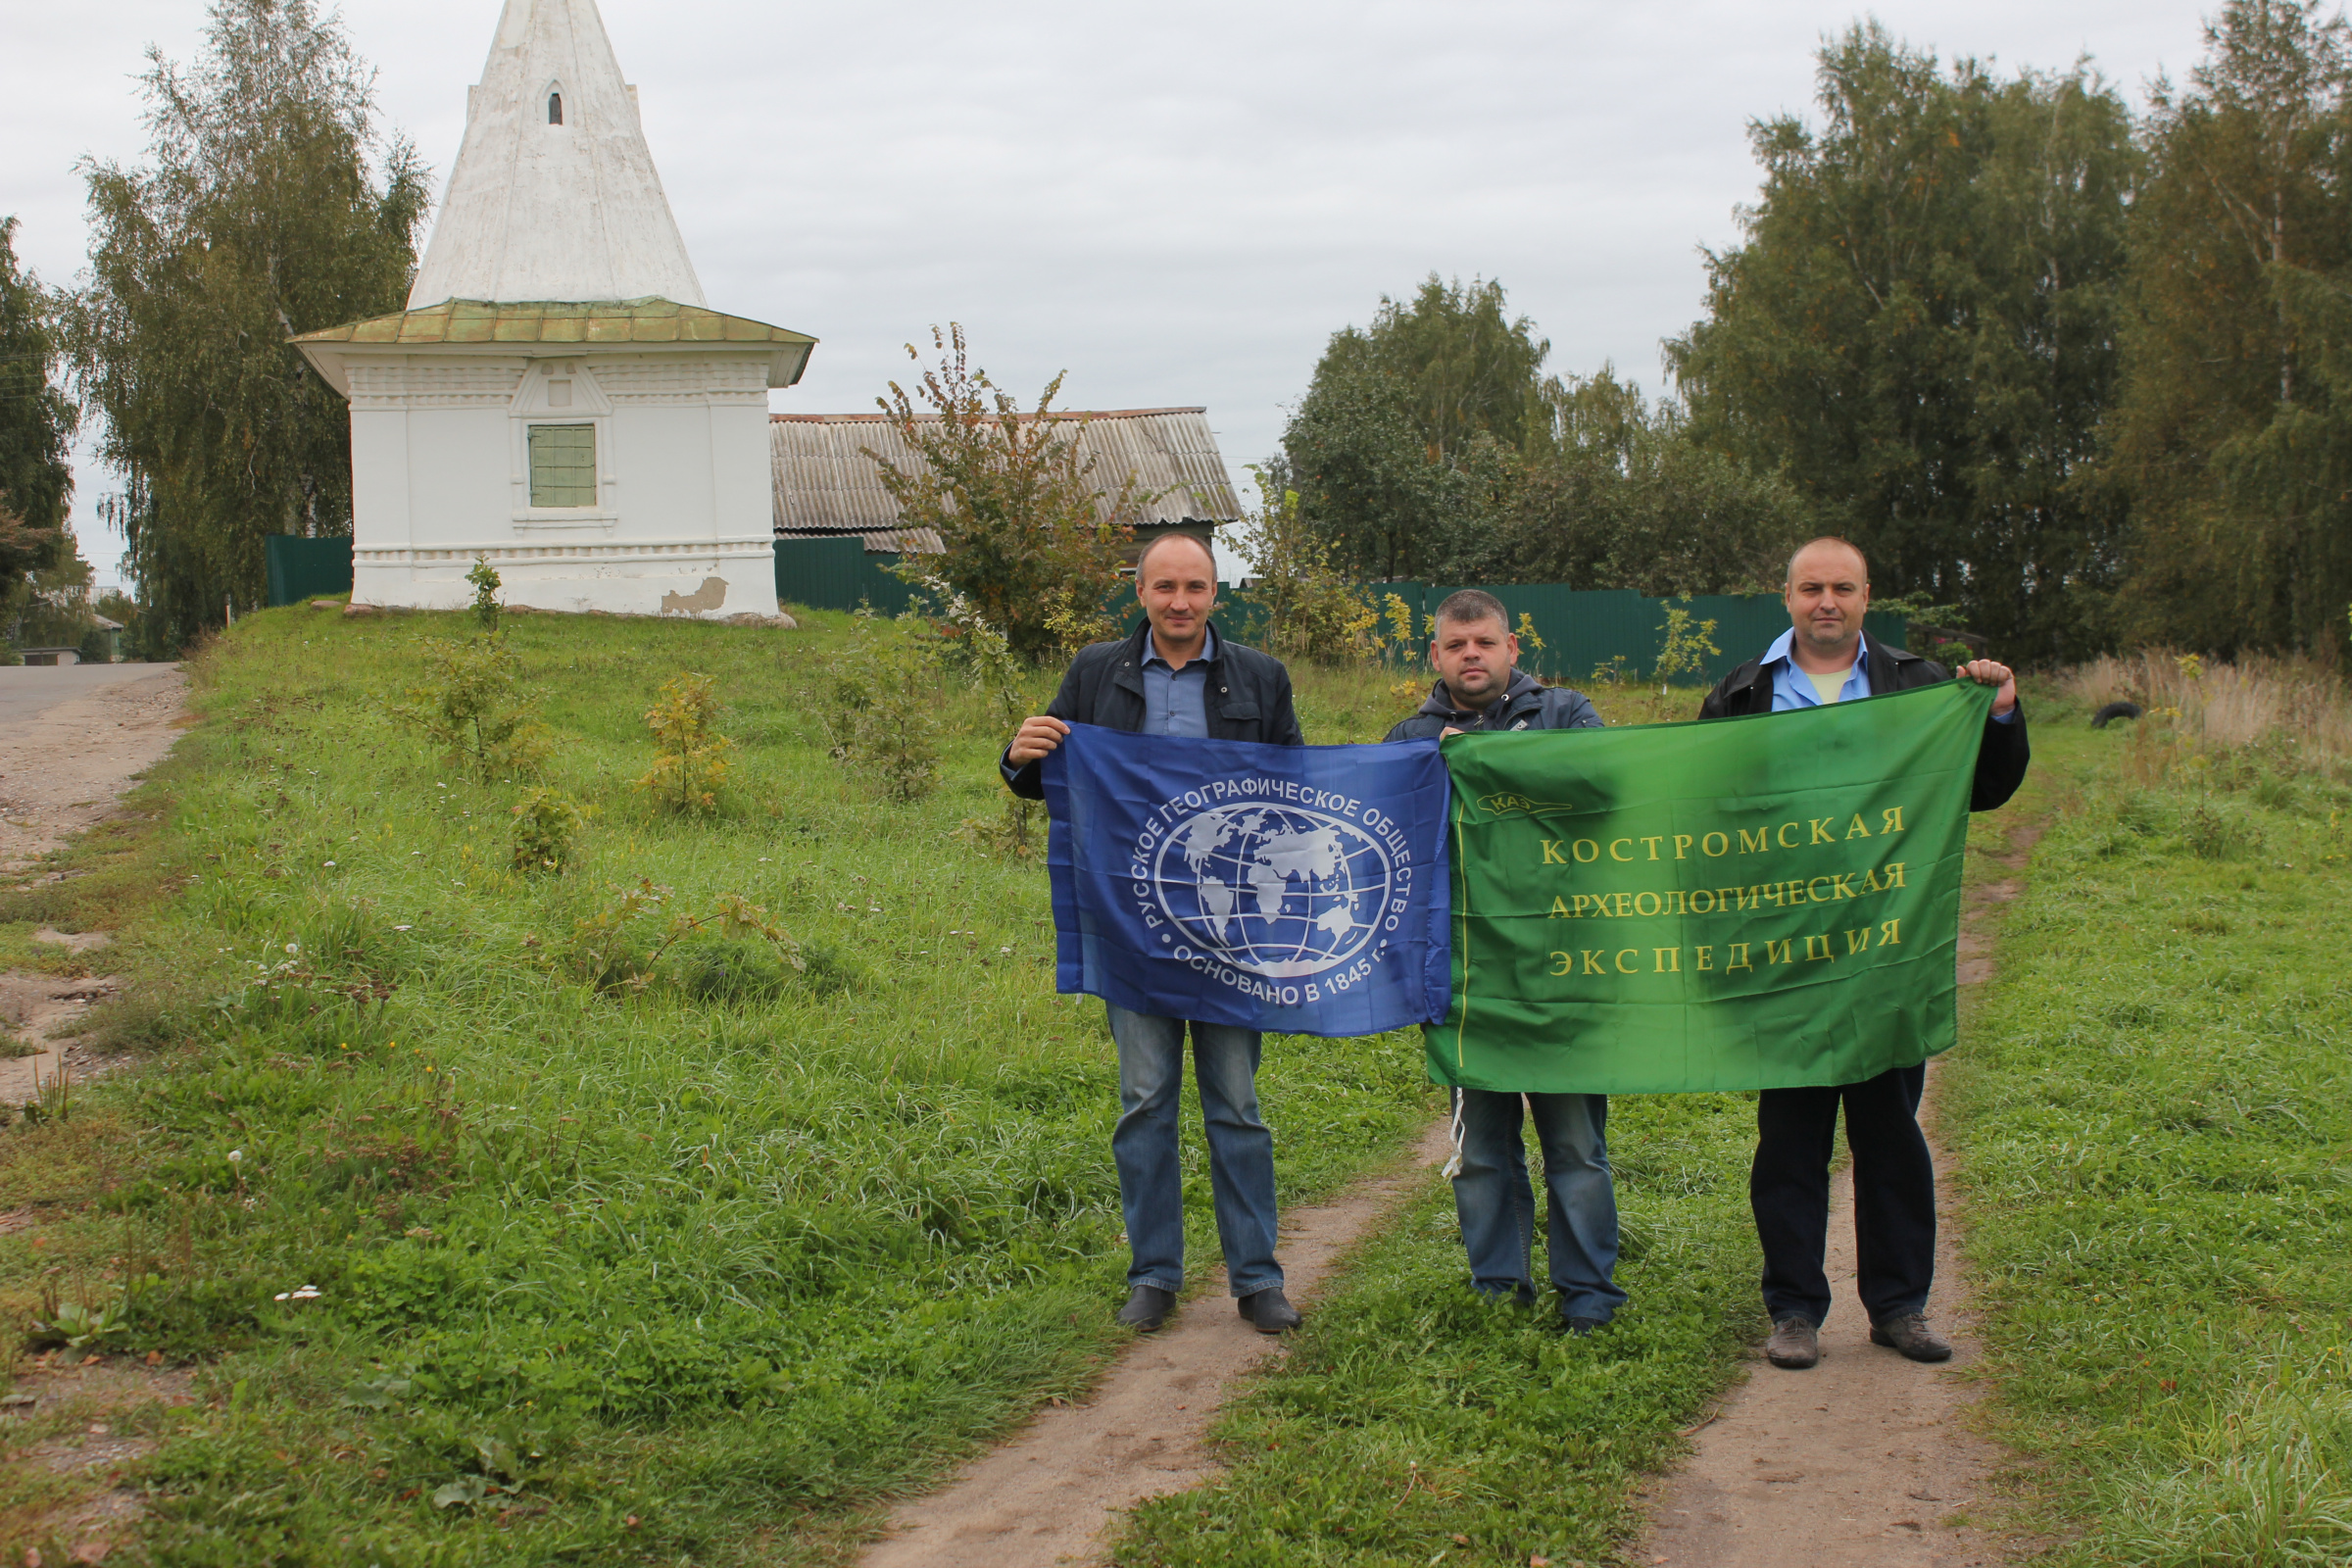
[709, 581]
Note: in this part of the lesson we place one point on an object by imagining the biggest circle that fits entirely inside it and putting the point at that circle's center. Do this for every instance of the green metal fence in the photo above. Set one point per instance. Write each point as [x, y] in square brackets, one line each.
[302, 568]
[1582, 629]
[838, 574]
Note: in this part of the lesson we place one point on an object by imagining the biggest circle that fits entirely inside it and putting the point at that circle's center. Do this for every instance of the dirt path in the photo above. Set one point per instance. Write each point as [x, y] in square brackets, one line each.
[1867, 1458]
[1046, 1496]
[73, 740]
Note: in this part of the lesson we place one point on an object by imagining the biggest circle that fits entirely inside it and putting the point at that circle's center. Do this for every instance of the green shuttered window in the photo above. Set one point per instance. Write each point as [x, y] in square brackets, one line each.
[563, 464]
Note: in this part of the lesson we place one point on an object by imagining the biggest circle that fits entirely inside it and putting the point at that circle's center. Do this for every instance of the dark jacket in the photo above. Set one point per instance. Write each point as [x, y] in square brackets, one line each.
[2000, 760]
[1247, 697]
[1524, 703]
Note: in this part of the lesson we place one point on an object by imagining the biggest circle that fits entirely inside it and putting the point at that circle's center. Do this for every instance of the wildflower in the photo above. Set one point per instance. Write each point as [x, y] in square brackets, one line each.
[236, 1156]
[294, 947]
[403, 928]
[330, 865]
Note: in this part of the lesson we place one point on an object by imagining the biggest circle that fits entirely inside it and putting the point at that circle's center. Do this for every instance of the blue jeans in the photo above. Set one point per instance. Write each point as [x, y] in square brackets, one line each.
[1241, 1152]
[1498, 1205]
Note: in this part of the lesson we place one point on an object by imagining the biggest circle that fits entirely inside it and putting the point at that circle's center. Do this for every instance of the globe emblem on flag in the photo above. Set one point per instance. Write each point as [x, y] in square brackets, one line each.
[1277, 890]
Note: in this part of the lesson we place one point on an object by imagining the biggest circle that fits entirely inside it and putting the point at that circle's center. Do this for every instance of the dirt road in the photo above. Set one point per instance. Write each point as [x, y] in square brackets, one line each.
[73, 740]
[1866, 1460]
[1046, 1497]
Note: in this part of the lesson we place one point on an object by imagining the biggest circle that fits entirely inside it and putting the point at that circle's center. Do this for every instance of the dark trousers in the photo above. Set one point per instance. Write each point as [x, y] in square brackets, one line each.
[1894, 1194]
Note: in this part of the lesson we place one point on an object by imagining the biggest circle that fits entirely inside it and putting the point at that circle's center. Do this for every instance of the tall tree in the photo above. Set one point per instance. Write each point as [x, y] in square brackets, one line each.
[1919, 329]
[1398, 447]
[37, 420]
[268, 206]
[1609, 491]
[2232, 435]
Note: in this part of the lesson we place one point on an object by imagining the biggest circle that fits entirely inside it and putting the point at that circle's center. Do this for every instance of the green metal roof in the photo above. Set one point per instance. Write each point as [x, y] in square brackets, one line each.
[644, 321]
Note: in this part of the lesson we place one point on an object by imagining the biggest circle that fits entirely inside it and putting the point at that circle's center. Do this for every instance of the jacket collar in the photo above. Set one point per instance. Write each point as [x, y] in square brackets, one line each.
[1440, 697]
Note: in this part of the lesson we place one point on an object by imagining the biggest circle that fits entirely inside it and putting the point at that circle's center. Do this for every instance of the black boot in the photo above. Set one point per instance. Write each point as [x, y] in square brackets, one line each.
[1270, 1311]
[1148, 1307]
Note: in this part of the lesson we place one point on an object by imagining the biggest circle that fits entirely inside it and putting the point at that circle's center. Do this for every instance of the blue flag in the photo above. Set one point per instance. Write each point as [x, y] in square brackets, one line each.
[1295, 889]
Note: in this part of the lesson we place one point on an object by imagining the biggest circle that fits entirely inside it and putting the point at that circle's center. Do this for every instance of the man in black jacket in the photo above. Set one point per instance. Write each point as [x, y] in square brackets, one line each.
[1481, 687]
[1823, 658]
[1176, 676]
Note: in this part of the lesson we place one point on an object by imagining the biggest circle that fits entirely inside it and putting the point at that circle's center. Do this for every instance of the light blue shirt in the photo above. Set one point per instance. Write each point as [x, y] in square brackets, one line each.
[1176, 701]
[1791, 687]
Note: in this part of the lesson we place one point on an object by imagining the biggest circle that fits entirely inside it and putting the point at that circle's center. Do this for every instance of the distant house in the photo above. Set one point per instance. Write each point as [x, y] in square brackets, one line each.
[827, 488]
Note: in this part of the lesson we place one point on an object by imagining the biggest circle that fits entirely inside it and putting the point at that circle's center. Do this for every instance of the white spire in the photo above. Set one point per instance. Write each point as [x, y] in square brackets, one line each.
[554, 195]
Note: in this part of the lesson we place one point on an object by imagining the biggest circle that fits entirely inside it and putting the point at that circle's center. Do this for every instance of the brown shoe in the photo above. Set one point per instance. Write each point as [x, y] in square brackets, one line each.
[1909, 1333]
[1795, 1343]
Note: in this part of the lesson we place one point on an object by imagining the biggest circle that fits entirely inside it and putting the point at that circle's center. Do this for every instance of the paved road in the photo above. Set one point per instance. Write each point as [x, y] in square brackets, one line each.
[28, 689]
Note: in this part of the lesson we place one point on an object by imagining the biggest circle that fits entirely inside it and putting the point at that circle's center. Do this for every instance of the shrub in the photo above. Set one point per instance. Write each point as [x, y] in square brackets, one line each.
[547, 822]
[881, 711]
[1687, 647]
[1017, 833]
[1026, 523]
[605, 946]
[1312, 611]
[473, 701]
[690, 754]
[97, 646]
[738, 973]
[485, 581]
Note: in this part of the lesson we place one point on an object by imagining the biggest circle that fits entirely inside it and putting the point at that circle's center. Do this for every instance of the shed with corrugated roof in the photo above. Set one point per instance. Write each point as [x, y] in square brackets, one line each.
[828, 483]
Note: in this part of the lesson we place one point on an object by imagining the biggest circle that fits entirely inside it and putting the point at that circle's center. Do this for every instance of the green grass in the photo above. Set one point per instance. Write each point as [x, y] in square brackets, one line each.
[2154, 1114]
[1413, 1423]
[686, 1279]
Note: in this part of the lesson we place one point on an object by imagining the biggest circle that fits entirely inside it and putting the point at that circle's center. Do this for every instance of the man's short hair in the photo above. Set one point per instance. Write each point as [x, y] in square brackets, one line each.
[1145, 560]
[1466, 604]
[1826, 539]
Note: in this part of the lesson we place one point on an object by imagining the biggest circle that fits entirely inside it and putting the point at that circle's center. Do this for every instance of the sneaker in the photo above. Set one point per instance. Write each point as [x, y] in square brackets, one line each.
[1148, 1307]
[1908, 1331]
[1270, 1311]
[1581, 1326]
[1795, 1344]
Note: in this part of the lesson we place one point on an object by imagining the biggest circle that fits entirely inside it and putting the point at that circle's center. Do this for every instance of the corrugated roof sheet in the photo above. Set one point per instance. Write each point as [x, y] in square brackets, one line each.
[825, 485]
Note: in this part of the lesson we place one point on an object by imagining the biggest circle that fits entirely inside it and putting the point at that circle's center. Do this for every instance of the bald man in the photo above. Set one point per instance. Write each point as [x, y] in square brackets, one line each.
[1821, 658]
[1177, 676]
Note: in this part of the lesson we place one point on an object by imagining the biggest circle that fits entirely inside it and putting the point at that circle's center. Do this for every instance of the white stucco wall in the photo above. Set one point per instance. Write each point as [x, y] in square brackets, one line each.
[440, 468]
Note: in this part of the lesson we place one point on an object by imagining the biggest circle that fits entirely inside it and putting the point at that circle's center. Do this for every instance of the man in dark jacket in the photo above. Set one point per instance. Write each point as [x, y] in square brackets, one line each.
[1480, 687]
[1176, 676]
[1823, 658]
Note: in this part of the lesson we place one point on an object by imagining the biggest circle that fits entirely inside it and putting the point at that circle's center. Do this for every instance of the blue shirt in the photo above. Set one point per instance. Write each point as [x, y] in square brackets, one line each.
[1176, 701]
[1791, 687]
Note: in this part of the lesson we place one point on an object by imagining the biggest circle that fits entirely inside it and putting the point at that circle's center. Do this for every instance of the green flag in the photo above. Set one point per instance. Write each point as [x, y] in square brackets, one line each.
[1753, 903]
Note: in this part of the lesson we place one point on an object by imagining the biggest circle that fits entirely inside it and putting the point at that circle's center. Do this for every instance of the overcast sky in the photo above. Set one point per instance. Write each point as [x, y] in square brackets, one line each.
[1177, 204]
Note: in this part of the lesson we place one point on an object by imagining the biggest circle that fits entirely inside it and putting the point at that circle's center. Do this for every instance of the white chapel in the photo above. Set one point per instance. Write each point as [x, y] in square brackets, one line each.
[557, 396]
